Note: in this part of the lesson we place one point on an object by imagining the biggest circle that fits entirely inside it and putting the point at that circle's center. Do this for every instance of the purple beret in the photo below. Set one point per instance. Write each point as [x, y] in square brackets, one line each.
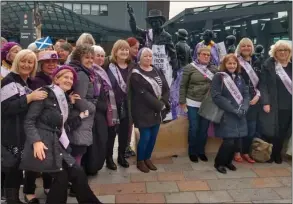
[63, 67]
[6, 48]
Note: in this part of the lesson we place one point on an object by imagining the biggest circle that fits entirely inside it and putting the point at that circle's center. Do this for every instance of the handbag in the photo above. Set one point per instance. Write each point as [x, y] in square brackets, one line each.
[209, 110]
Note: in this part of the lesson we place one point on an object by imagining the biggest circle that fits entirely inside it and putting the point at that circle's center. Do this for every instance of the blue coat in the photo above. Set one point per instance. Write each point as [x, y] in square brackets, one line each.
[231, 126]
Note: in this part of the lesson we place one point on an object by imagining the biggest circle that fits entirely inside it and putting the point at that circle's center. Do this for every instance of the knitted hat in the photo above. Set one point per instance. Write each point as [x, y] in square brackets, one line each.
[64, 67]
[6, 48]
[47, 55]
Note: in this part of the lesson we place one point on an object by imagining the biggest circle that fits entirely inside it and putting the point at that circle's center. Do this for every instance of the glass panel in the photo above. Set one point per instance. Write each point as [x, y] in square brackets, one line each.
[86, 9]
[59, 4]
[195, 10]
[212, 8]
[77, 8]
[104, 10]
[228, 6]
[247, 4]
[282, 14]
[95, 9]
[262, 2]
[68, 6]
[254, 21]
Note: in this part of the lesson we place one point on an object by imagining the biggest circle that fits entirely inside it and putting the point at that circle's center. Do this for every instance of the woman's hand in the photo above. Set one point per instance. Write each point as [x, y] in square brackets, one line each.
[254, 100]
[39, 150]
[74, 97]
[84, 114]
[183, 107]
[267, 108]
[37, 95]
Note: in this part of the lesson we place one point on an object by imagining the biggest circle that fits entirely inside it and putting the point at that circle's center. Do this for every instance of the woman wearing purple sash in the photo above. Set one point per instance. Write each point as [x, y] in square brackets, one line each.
[250, 71]
[276, 97]
[194, 87]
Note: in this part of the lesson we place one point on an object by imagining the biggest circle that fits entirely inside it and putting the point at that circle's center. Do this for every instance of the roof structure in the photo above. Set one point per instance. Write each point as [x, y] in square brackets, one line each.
[56, 20]
[228, 12]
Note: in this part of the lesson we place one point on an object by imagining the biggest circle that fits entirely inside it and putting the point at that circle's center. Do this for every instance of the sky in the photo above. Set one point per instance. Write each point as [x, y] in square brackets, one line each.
[177, 7]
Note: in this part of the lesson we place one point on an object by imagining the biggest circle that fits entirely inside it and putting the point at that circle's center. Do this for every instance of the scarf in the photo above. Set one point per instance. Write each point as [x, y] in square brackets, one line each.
[112, 114]
[63, 104]
[115, 71]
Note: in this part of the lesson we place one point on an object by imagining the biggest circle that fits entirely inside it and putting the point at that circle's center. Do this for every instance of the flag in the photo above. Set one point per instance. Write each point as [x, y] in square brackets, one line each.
[44, 43]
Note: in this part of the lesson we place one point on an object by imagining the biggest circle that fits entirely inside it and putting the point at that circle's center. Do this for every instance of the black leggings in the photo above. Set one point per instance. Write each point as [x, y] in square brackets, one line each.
[122, 131]
[75, 175]
[226, 151]
[30, 180]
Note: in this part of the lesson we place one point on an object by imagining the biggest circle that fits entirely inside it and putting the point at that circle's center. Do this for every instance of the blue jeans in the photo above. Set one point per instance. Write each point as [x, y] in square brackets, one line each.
[252, 132]
[147, 141]
[197, 132]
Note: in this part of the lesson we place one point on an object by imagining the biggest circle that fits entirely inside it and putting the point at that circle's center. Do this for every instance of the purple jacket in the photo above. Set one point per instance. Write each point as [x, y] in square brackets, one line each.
[41, 79]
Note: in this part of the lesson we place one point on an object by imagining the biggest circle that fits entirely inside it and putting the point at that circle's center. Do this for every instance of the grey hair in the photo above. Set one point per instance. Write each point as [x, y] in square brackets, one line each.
[244, 41]
[144, 50]
[98, 49]
[85, 38]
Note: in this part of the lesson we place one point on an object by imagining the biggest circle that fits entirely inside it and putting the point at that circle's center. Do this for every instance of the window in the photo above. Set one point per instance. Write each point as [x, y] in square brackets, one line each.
[59, 4]
[95, 10]
[86, 9]
[77, 8]
[104, 10]
[68, 6]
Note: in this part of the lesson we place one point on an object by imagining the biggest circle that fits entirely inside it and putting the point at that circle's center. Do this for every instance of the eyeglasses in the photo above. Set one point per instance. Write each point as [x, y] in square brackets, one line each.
[205, 54]
[283, 50]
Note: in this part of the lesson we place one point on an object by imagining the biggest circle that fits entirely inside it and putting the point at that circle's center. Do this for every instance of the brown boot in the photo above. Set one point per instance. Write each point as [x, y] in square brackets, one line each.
[150, 165]
[142, 167]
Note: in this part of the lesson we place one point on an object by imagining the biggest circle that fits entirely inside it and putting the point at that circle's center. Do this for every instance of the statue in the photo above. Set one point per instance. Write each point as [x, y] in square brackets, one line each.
[160, 41]
[259, 51]
[184, 58]
[207, 41]
[182, 48]
[259, 54]
[230, 44]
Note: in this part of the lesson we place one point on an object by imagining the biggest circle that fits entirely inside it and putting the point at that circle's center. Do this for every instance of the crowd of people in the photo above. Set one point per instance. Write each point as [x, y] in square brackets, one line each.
[62, 107]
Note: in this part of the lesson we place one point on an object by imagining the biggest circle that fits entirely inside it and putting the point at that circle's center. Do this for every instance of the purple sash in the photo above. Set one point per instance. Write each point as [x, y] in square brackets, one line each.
[251, 73]
[203, 70]
[61, 98]
[284, 77]
[231, 86]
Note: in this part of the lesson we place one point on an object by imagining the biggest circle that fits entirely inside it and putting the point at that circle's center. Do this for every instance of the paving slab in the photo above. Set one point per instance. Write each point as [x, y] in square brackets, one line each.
[227, 184]
[286, 181]
[193, 186]
[161, 187]
[213, 197]
[119, 188]
[273, 201]
[110, 177]
[141, 198]
[177, 167]
[285, 193]
[254, 194]
[181, 197]
[239, 173]
[198, 175]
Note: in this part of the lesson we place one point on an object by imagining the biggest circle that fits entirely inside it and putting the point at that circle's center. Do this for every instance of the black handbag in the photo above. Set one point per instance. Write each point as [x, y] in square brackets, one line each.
[7, 158]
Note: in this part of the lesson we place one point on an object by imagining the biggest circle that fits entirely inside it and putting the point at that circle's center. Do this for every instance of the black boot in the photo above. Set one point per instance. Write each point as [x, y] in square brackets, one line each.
[110, 164]
[122, 161]
[12, 196]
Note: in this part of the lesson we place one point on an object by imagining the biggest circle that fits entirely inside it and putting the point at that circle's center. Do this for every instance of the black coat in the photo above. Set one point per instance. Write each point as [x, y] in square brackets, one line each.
[253, 111]
[269, 92]
[41, 80]
[14, 108]
[231, 126]
[44, 123]
[146, 108]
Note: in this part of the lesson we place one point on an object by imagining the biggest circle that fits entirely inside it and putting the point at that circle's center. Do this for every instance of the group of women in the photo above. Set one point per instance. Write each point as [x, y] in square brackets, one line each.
[61, 110]
[255, 95]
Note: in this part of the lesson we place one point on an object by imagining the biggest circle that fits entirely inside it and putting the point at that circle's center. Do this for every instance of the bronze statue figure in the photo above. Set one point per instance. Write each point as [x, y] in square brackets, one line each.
[158, 40]
[230, 44]
[182, 48]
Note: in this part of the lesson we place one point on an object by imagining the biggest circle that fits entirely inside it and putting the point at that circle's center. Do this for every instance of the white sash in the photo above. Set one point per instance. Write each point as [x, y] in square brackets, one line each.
[12, 89]
[115, 71]
[156, 87]
[251, 73]
[284, 77]
[231, 86]
[162, 61]
[149, 38]
[61, 98]
[203, 70]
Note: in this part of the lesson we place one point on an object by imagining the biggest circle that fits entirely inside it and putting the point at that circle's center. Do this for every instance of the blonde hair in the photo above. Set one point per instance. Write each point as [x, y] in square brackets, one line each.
[85, 38]
[98, 49]
[24, 54]
[281, 43]
[203, 49]
[244, 41]
[119, 44]
[144, 50]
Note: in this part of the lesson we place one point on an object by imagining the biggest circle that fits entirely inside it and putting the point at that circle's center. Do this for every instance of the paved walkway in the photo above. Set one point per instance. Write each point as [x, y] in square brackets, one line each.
[180, 181]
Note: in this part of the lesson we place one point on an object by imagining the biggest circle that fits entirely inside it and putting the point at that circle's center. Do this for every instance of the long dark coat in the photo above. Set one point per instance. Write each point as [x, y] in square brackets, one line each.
[269, 92]
[231, 126]
[44, 123]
